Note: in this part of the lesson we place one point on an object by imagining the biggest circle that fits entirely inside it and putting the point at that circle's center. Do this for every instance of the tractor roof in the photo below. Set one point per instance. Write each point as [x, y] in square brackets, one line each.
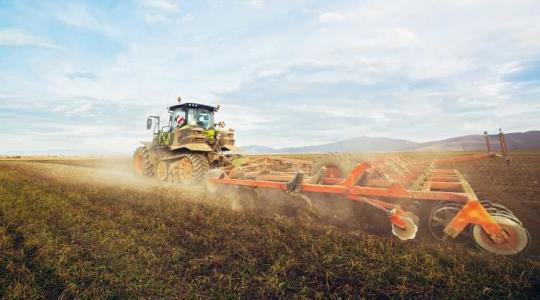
[194, 105]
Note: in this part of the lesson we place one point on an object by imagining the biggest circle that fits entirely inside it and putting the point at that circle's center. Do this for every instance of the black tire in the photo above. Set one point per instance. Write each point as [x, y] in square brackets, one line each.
[141, 162]
[199, 168]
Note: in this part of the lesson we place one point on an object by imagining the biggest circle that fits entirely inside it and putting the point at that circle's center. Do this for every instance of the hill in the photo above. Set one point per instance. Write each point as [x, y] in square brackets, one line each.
[529, 140]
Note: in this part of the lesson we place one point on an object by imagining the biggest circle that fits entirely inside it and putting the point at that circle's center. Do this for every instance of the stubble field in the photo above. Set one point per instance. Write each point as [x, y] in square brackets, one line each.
[91, 229]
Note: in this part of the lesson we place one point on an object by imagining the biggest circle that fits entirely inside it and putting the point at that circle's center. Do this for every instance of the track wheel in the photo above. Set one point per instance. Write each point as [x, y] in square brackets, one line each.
[189, 169]
[162, 170]
[518, 237]
[141, 162]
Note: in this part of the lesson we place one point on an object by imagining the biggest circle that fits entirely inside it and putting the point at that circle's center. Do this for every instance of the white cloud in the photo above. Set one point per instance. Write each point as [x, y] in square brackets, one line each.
[332, 16]
[256, 3]
[17, 37]
[162, 5]
[81, 16]
[156, 18]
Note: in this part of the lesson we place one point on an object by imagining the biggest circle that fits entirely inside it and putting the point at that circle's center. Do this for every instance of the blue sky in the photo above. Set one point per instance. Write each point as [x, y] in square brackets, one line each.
[81, 76]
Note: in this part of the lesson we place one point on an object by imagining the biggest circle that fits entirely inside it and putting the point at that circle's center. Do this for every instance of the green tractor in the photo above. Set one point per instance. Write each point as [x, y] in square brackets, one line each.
[187, 147]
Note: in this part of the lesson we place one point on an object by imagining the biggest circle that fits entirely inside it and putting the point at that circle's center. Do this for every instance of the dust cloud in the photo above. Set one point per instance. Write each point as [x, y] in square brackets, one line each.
[118, 173]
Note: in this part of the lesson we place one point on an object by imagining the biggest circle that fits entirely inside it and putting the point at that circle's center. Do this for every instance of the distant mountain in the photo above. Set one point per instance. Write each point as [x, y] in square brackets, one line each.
[258, 149]
[358, 144]
[516, 140]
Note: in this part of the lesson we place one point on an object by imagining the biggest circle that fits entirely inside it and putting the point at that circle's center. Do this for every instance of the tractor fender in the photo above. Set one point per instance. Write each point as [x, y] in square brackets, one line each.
[231, 148]
[148, 145]
[194, 147]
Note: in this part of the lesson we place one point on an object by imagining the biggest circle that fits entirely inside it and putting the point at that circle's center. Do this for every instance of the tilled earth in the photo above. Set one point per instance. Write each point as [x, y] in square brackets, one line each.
[91, 229]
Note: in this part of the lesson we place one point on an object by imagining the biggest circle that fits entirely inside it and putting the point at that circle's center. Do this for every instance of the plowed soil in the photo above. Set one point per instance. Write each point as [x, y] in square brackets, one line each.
[92, 229]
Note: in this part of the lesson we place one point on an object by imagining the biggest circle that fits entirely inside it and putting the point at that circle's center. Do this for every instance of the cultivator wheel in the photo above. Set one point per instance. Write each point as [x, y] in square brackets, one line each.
[518, 238]
[411, 227]
[188, 169]
[141, 161]
[441, 214]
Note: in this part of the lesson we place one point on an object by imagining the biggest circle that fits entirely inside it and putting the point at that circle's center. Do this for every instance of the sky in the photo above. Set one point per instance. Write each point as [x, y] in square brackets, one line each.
[81, 76]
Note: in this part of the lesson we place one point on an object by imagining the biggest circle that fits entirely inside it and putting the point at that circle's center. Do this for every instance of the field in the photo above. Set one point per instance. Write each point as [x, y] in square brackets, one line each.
[89, 228]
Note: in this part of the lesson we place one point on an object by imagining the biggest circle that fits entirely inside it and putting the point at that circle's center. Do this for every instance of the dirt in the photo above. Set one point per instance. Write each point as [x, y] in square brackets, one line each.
[93, 229]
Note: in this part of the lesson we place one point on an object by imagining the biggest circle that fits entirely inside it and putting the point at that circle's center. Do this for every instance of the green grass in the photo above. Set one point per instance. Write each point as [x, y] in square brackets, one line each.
[70, 240]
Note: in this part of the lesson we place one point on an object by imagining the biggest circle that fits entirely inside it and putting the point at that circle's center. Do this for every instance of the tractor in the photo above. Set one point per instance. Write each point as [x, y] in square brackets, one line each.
[187, 147]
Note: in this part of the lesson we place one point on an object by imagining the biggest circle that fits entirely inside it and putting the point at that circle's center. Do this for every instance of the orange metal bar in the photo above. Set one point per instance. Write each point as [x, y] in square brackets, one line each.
[504, 147]
[443, 172]
[374, 182]
[282, 178]
[252, 183]
[356, 174]
[396, 220]
[392, 210]
[488, 146]
[395, 191]
[446, 185]
[441, 178]
[474, 213]
[464, 158]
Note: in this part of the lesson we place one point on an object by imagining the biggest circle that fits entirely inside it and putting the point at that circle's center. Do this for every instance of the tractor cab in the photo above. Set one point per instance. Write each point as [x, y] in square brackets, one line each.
[192, 114]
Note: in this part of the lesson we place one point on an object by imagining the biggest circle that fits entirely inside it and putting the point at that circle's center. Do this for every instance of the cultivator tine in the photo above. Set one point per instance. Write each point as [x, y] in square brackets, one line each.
[294, 184]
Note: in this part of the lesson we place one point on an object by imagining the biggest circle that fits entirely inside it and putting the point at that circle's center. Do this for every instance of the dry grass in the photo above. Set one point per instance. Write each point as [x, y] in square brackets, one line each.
[70, 232]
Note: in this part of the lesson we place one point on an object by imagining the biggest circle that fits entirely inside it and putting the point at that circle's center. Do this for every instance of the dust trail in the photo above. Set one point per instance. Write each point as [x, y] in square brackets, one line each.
[116, 173]
[313, 209]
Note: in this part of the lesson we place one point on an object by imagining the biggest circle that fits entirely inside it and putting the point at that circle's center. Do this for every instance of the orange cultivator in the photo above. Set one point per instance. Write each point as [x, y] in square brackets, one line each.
[394, 185]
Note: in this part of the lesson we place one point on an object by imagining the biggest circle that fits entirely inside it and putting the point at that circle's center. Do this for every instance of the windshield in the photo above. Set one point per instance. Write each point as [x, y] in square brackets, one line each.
[201, 117]
[178, 118]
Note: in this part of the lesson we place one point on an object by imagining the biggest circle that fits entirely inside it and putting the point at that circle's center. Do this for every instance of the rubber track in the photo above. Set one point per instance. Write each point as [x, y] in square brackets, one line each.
[199, 162]
[148, 168]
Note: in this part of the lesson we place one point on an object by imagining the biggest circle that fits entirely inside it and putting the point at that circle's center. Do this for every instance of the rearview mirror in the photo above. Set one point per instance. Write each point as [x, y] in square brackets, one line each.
[148, 123]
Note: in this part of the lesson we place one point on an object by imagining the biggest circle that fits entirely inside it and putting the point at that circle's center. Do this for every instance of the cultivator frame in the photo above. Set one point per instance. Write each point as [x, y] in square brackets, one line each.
[386, 184]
